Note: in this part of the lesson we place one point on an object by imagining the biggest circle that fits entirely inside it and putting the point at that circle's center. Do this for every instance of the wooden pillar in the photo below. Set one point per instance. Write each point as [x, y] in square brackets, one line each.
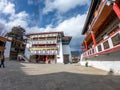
[116, 9]
[86, 46]
[93, 38]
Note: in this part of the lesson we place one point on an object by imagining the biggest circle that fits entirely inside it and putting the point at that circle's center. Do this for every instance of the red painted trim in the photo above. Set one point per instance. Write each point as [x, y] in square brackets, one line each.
[106, 51]
[44, 33]
[116, 9]
[109, 50]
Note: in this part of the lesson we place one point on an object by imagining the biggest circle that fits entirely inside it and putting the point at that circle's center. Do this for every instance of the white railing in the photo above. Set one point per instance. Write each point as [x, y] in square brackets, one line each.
[105, 46]
[44, 35]
[44, 47]
[44, 52]
[44, 42]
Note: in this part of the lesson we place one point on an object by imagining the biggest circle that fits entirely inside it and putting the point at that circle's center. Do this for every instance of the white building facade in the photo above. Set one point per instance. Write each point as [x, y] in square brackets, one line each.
[48, 47]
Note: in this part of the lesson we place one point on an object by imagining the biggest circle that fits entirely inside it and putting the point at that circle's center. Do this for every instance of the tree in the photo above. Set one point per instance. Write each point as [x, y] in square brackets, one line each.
[17, 33]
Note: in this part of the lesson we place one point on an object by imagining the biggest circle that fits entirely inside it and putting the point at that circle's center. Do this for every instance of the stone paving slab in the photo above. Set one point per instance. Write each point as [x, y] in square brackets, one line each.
[29, 76]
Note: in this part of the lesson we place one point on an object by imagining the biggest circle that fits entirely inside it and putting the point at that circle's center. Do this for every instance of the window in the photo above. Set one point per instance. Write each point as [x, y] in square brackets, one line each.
[106, 45]
[92, 50]
[88, 53]
[99, 48]
[116, 39]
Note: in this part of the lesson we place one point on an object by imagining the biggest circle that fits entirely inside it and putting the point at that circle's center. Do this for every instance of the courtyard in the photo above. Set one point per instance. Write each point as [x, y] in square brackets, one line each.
[32, 76]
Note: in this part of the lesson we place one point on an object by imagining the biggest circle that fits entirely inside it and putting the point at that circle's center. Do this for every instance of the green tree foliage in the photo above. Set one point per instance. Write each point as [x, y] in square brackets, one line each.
[17, 33]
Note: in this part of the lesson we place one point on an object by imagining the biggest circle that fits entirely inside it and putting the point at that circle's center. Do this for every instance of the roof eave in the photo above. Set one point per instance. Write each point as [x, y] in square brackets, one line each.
[90, 13]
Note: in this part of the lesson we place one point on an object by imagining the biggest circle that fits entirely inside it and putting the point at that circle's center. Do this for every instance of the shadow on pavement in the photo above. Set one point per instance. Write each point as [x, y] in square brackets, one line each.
[15, 79]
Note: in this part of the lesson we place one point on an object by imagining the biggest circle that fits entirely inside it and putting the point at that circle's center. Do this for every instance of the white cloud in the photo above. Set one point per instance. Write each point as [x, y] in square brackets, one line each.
[19, 19]
[7, 7]
[22, 14]
[15, 19]
[17, 22]
[63, 5]
[34, 29]
[72, 26]
[3, 3]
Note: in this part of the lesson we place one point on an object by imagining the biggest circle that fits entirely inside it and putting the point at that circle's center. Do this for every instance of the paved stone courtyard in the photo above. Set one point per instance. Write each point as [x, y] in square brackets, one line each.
[29, 76]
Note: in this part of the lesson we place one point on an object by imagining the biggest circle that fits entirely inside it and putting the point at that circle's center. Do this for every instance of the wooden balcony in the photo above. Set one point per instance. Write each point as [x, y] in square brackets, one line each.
[44, 52]
[43, 48]
[3, 39]
[2, 48]
[103, 16]
[108, 45]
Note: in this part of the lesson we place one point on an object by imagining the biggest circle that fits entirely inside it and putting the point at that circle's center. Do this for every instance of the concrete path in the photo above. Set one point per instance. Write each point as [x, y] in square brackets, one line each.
[26, 76]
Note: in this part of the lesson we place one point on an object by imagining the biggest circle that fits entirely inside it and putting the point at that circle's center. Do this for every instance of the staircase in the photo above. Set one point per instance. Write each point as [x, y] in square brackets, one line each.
[20, 56]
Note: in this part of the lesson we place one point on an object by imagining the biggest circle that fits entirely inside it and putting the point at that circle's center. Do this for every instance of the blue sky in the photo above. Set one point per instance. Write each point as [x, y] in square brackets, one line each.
[46, 15]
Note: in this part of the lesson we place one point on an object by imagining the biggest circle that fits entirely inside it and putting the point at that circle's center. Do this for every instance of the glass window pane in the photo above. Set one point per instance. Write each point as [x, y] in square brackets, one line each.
[99, 48]
[106, 45]
[116, 40]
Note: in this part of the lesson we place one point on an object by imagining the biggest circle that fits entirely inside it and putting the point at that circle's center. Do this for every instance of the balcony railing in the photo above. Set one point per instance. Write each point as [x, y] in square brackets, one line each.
[44, 35]
[44, 42]
[43, 48]
[44, 52]
[111, 43]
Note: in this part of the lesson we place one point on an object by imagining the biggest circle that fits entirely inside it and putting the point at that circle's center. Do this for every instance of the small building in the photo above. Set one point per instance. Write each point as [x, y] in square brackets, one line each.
[48, 47]
[16, 44]
[9, 46]
[13, 48]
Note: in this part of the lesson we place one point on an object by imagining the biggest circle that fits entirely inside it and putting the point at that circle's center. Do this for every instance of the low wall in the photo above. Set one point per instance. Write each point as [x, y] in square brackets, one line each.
[106, 62]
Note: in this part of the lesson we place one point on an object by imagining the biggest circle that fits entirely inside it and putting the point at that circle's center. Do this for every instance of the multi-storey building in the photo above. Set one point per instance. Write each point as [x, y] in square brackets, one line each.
[48, 47]
[16, 44]
[102, 35]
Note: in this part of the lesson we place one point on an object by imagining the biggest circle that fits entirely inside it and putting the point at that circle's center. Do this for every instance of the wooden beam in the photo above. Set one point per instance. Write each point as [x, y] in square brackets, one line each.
[3, 39]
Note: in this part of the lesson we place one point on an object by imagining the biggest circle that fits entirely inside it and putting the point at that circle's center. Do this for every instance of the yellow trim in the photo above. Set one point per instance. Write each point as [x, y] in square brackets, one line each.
[43, 48]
